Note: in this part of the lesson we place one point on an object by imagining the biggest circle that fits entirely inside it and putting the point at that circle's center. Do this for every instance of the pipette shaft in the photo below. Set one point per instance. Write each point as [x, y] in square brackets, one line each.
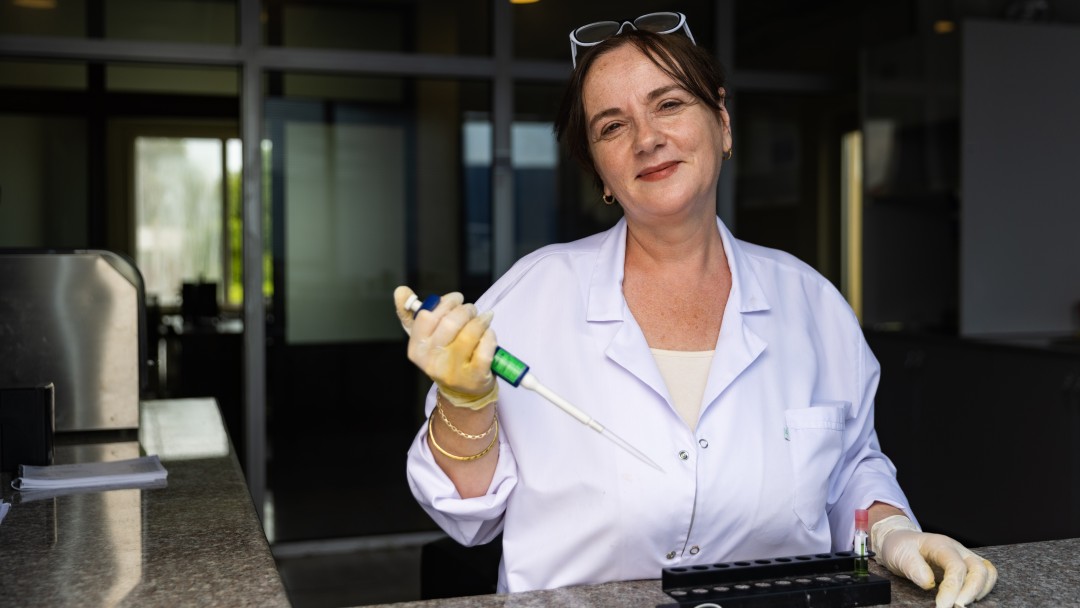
[516, 372]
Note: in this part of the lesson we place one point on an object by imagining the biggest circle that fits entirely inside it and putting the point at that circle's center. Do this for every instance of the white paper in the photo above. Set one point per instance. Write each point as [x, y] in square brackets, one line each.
[91, 474]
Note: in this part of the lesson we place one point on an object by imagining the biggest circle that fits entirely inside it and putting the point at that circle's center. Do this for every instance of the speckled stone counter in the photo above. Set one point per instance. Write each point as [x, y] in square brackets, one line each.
[195, 542]
[1033, 574]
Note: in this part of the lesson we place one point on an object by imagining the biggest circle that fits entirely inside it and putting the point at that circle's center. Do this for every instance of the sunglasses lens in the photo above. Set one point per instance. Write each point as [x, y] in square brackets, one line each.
[596, 32]
[659, 23]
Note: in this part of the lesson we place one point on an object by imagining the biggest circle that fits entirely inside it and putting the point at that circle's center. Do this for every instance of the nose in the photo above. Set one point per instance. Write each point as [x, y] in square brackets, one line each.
[647, 137]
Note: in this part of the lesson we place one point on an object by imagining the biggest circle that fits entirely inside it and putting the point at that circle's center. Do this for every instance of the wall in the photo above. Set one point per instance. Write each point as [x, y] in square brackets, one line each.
[42, 182]
[1020, 251]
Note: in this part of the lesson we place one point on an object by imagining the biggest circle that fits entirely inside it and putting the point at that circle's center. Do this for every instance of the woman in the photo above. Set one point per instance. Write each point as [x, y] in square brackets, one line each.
[738, 368]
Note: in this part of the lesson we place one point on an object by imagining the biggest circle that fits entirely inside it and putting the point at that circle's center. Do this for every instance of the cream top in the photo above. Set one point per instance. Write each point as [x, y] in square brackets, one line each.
[685, 373]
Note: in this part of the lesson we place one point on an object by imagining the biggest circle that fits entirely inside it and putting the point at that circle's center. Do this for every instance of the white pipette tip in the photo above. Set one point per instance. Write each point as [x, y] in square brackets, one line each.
[619, 441]
[531, 382]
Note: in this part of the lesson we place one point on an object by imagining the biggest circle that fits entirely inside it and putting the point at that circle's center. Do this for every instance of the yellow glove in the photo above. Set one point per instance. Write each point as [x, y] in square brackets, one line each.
[454, 346]
[910, 553]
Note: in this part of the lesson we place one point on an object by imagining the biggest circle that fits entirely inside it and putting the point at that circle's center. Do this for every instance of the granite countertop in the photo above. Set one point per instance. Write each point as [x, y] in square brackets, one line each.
[1031, 574]
[197, 541]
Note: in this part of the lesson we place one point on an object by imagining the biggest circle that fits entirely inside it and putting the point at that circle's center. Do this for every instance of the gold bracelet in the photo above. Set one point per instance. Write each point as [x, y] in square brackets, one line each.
[459, 432]
[494, 440]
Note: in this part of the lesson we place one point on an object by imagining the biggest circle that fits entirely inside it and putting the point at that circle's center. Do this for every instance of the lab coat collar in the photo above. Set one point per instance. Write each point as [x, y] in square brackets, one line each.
[737, 341]
[605, 288]
[740, 345]
[605, 291]
[746, 291]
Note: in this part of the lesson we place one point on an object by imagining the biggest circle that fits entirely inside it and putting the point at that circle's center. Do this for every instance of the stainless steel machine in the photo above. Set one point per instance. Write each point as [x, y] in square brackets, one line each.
[75, 319]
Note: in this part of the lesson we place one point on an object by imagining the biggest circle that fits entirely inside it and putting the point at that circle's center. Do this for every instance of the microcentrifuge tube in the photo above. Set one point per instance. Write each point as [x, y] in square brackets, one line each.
[862, 522]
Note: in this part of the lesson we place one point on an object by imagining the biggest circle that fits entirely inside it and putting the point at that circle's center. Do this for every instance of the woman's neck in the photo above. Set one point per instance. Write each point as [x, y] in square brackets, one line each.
[688, 247]
[676, 283]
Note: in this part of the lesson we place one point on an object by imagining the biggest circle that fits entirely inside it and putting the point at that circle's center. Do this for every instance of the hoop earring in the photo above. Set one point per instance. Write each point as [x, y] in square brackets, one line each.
[608, 199]
[730, 152]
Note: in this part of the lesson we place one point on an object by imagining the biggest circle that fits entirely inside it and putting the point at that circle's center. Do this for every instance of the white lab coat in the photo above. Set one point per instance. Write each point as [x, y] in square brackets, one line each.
[784, 451]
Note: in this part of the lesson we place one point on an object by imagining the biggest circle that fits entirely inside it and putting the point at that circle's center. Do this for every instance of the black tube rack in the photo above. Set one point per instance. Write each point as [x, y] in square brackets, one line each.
[819, 580]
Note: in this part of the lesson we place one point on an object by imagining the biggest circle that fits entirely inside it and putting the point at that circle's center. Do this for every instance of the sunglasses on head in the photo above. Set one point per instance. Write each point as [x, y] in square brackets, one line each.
[657, 23]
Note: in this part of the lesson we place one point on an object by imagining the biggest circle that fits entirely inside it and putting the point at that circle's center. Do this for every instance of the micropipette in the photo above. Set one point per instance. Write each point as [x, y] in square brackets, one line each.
[516, 372]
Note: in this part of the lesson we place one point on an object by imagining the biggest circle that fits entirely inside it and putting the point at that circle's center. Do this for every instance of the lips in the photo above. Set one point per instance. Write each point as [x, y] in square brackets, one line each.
[658, 172]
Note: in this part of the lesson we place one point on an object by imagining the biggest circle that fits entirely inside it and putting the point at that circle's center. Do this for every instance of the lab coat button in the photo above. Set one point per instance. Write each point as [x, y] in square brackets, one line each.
[703, 442]
[671, 555]
[694, 550]
[684, 455]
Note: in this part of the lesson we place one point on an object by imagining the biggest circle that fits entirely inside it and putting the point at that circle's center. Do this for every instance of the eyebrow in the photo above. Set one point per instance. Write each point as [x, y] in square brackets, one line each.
[655, 93]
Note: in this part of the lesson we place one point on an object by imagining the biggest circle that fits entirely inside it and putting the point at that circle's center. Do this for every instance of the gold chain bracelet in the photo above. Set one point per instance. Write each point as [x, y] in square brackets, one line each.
[459, 432]
[435, 444]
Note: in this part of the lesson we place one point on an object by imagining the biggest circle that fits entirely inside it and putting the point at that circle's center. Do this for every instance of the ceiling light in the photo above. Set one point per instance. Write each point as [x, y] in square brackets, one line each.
[944, 26]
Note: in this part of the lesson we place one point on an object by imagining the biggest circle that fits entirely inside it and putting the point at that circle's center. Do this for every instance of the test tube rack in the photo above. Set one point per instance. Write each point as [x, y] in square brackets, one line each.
[820, 580]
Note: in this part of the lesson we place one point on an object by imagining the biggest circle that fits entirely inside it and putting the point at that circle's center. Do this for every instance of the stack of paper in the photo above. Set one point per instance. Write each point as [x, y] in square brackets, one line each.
[119, 473]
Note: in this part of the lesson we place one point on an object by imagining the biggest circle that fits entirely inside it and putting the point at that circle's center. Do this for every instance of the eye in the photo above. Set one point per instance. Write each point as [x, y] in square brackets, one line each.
[610, 129]
[670, 104]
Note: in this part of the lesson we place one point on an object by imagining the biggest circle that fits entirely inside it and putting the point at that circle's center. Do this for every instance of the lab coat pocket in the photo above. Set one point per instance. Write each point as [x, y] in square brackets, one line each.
[815, 437]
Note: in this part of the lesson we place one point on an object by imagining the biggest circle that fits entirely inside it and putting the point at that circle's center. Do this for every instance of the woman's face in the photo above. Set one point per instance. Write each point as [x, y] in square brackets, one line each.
[656, 147]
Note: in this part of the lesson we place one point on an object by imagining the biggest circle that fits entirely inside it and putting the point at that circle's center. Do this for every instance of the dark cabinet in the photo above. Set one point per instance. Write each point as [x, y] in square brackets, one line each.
[985, 437]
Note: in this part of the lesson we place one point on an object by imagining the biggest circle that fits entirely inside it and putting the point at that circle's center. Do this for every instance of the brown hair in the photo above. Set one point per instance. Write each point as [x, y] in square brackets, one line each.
[691, 66]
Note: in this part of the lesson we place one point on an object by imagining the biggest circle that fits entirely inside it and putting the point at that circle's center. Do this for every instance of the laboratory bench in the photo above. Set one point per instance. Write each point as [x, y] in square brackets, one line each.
[1029, 574]
[195, 541]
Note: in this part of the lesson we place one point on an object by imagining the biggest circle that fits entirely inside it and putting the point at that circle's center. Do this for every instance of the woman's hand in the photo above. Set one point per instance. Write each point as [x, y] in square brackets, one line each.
[907, 552]
[454, 346]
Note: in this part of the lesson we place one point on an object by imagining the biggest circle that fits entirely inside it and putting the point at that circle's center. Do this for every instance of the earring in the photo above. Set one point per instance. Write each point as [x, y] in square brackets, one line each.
[730, 152]
[608, 199]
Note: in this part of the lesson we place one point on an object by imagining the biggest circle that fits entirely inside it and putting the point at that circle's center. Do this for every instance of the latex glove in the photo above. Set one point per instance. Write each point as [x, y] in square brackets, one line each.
[906, 551]
[454, 346]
